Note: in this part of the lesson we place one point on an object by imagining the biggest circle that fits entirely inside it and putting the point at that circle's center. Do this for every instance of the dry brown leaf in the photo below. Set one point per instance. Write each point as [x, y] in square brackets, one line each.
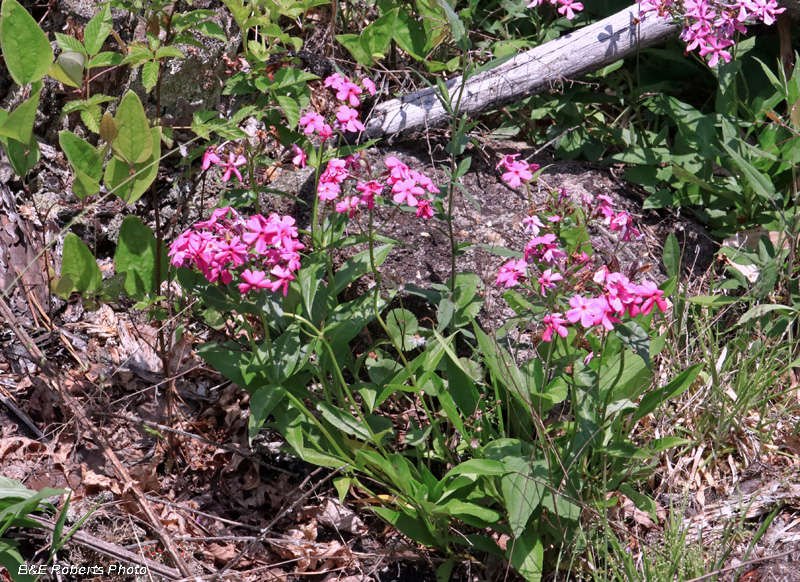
[221, 554]
[94, 483]
[334, 515]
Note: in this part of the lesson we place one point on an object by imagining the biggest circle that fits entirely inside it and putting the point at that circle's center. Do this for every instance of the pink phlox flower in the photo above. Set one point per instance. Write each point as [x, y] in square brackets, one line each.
[651, 295]
[534, 3]
[507, 160]
[349, 119]
[283, 230]
[533, 224]
[368, 85]
[312, 121]
[424, 209]
[328, 190]
[423, 181]
[548, 280]
[511, 272]
[349, 204]
[349, 92]
[555, 218]
[260, 234]
[517, 173]
[292, 258]
[300, 157]
[584, 311]
[335, 172]
[533, 246]
[283, 278]
[407, 191]
[397, 170]
[580, 259]
[601, 274]
[589, 357]
[232, 165]
[210, 157]
[716, 48]
[253, 280]
[353, 163]
[325, 132]
[553, 254]
[604, 315]
[220, 220]
[620, 221]
[569, 8]
[695, 38]
[368, 191]
[554, 322]
[231, 251]
[335, 81]
[700, 12]
[765, 10]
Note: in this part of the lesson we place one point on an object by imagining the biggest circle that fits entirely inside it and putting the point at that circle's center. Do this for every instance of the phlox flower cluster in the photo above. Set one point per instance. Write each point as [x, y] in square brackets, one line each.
[516, 171]
[566, 8]
[709, 25]
[262, 252]
[406, 186]
[347, 116]
[606, 296]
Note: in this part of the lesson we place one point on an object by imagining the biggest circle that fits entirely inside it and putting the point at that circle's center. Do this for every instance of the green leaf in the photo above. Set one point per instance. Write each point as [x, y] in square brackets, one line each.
[136, 257]
[527, 556]
[98, 29]
[523, 490]
[19, 123]
[131, 183]
[134, 141]
[352, 42]
[376, 37]
[22, 157]
[410, 526]
[68, 69]
[230, 360]
[635, 338]
[410, 35]
[712, 300]
[80, 265]
[105, 59]
[672, 256]
[169, 51]
[402, 325]
[211, 29]
[262, 403]
[26, 50]
[150, 74]
[91, 117]
[760, 310]
[81, 154]
[357, 266]
[478, 467]
[290, 107]
[69, 43]
[679, 385]
[758, 181]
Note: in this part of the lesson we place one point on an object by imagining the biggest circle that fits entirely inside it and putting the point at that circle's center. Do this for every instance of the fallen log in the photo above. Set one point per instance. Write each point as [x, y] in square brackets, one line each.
[568, 57]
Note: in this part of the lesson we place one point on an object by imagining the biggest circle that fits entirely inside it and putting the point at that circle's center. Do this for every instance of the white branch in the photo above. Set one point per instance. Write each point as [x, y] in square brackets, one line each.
[568, 57]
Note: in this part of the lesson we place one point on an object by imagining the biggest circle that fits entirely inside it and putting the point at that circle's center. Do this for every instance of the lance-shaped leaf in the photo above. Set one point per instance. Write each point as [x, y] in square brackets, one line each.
[86, 162]
[134, 142]
[96, 32]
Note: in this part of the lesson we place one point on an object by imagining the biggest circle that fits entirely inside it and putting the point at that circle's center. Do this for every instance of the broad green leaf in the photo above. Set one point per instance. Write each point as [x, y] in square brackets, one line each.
[22, 157]
[136, 257]
[712, 300]
[105, 59]
[352, 42]
[478, 467]
[211, 29]
[134, 140]
[230, 360]
[410, 35]
[81, 266]
[760, 310]
[98, 29]
[376, 37]
[759, 182]
[19, 123]
[635, 338]
[169, 51]
[68, 69]
[402, 325]
[411, 527]
[91, 117]
[131, 183]
[84, 185]
[81, 154]
[523, 490]
[26, 49]
[526, 554]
